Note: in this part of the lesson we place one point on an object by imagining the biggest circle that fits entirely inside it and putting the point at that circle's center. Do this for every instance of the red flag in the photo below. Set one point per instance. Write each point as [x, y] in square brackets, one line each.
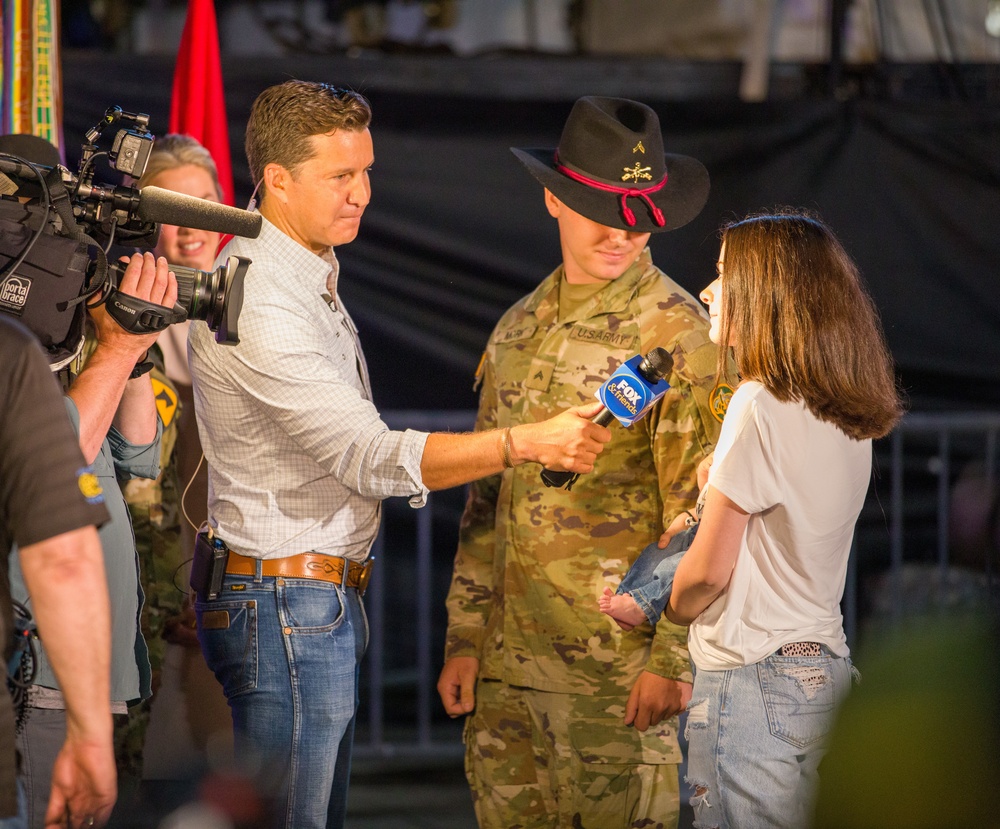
[198, 108]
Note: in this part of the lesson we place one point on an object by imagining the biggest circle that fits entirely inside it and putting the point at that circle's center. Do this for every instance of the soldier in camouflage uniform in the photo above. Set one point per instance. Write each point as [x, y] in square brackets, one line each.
[164, 537]
[572, 720]
[154, 506]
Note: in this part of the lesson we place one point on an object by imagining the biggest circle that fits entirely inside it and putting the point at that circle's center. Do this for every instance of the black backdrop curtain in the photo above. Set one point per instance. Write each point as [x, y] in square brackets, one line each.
[457, 229]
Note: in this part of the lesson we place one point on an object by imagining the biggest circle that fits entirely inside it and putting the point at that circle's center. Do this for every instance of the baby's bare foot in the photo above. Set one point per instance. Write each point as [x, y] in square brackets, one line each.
[623, 609]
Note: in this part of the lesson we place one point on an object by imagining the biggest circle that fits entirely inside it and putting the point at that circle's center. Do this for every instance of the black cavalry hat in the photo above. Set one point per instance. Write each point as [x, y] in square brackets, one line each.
[610, 167]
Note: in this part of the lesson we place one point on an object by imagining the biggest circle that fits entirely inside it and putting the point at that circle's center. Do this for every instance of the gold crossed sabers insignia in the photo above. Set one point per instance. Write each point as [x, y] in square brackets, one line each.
[638, 148]
[636, 173]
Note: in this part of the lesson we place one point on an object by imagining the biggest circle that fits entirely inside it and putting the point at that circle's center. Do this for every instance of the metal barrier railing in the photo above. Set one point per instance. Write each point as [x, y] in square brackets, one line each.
[923, 454]
[941, 440]
[423, 676]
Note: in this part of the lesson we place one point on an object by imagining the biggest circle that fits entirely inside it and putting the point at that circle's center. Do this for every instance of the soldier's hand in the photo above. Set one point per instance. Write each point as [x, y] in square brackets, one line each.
[568, 442]
[182, 629]
[704, 468]
[654, 698]
[457, 685]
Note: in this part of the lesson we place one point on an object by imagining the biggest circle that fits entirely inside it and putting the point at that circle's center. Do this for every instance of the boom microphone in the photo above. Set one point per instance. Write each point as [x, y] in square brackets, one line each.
[627, 395]
[168, 207]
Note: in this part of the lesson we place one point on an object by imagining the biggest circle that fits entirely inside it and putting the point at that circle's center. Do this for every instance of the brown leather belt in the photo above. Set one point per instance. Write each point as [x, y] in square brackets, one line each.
[306, 566]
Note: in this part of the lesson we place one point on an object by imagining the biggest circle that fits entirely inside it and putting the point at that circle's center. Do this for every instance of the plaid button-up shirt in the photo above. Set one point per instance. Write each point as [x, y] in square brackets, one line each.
[298, 456]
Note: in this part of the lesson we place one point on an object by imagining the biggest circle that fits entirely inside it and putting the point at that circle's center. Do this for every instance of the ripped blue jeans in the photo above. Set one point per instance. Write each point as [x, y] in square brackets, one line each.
[756, 736]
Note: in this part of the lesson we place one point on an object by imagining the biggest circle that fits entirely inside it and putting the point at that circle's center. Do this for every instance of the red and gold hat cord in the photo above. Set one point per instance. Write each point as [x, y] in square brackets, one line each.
[625, 192]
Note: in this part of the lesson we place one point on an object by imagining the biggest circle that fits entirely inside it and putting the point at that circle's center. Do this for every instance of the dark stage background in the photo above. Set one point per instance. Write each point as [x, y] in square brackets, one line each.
[457, 229]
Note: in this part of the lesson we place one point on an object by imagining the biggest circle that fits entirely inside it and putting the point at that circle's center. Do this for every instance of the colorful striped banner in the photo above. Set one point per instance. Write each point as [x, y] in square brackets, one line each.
[30, 79]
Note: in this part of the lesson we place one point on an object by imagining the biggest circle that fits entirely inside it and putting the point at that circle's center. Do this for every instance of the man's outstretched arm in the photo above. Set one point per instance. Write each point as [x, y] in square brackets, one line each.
[570, 442]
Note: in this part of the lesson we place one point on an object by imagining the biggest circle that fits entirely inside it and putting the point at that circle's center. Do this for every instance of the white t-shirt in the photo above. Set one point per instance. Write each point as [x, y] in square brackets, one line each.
[803, 481]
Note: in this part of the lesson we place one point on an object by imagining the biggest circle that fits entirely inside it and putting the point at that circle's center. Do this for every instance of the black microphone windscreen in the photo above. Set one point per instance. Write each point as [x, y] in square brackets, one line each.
[168, 207]
[657, 364]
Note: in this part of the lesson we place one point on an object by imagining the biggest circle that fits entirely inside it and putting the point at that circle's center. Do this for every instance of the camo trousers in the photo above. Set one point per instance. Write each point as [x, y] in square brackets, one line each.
[537, 759]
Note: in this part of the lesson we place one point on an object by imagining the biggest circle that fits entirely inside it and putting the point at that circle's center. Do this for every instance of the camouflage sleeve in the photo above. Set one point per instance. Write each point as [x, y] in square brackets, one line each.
[686, 429]
[472, 582]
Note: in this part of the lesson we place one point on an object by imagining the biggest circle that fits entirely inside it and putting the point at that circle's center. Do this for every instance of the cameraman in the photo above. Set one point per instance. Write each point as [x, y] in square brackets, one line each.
[52, 516]
[112, 405]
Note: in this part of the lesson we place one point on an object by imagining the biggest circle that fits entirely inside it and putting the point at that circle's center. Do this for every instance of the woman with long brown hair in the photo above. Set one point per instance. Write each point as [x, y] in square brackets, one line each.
[762, 582]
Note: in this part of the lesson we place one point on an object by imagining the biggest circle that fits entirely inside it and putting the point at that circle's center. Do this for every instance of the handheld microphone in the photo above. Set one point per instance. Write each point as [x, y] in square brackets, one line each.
[627, 395]
[167, 207]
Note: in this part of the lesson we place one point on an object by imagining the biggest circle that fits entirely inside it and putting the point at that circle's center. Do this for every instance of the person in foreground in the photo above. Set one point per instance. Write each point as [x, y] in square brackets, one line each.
[50, 502]
[111, 404]
[571, 721]
[299, 459]
[761, 584]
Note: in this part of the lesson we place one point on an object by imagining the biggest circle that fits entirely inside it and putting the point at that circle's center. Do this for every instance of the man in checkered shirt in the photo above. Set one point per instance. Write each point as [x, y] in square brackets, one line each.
[300, 460]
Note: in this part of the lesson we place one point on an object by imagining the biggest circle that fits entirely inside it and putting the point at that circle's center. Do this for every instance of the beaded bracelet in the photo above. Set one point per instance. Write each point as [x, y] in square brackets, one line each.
[506, 453]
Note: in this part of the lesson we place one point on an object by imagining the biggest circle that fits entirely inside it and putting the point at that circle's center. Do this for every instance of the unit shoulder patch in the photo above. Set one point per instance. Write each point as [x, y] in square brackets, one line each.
[719, 399]
[166, 401]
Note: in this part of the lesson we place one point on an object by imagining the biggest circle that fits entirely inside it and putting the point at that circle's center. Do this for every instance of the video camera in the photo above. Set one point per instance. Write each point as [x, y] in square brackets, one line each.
[56, 229]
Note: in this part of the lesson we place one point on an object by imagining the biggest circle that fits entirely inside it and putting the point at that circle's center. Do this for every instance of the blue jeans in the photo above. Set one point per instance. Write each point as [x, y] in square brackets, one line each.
[20, 820]
[287, 652]
[651, 576]
[756, 736]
